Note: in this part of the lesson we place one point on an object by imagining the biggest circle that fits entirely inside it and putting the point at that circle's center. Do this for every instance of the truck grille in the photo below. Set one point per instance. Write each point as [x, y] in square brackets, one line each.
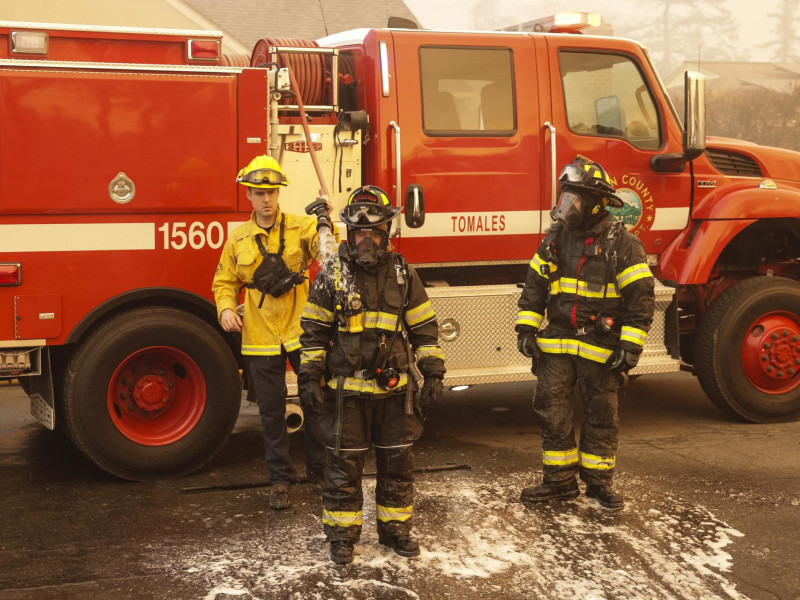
[731, 163]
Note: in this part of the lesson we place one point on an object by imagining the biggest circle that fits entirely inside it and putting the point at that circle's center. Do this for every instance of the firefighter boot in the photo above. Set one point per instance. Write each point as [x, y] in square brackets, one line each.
[404, 545]
[279, 496]
[342, 552]
[605, 496]
[547, 491]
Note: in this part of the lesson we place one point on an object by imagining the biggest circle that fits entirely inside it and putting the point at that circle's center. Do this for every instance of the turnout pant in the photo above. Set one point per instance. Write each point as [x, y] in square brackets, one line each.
[382, 421]
[268, 374]
[596, 457]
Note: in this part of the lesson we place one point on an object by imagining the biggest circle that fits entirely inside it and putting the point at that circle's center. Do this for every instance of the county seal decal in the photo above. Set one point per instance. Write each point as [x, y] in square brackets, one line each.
[639, 210]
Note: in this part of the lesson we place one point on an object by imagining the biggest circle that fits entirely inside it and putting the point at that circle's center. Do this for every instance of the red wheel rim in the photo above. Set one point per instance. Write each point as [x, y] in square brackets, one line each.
[771, 353]
[156, 396]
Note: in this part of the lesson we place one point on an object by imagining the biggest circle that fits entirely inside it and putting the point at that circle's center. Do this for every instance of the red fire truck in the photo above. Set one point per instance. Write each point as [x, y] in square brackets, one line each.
[118, 153]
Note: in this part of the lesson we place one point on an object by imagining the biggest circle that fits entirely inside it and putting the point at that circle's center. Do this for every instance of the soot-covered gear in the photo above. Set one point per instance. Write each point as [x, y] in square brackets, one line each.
[367, 216]
[599, 299]
[584, 191]
[365, 351]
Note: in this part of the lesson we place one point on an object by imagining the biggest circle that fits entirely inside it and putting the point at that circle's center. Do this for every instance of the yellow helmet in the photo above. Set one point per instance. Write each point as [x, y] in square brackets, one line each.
[262, 172]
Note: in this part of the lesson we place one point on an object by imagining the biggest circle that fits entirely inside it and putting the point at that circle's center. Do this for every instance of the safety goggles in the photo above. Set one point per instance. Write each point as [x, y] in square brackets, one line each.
[572, 174]
[262, 176]
[365, 213]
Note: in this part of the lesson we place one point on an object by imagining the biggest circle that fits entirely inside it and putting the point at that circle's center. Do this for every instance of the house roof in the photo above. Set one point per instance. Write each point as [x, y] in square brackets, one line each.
[723, 75]
[251, 20]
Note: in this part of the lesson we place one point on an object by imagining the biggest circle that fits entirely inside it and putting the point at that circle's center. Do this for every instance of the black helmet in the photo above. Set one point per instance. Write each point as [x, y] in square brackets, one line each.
[584, 174]
[367, 207]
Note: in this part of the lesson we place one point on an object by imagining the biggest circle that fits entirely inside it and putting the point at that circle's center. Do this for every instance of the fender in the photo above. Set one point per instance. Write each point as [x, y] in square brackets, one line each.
[744, 201]
[691, 256]
[178, 298]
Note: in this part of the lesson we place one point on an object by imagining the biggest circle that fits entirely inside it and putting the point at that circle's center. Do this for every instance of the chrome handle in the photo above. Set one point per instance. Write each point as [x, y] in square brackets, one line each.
[552, 129]
[397, 162]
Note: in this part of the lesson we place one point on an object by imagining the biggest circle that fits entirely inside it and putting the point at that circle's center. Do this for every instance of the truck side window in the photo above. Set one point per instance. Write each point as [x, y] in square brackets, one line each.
[467, 91]
[606, 95]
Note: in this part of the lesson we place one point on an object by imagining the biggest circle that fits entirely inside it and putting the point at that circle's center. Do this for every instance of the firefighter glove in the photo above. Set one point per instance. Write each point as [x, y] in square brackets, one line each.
[622, 360]
[431, 392]
[311, 395]
[526, 344]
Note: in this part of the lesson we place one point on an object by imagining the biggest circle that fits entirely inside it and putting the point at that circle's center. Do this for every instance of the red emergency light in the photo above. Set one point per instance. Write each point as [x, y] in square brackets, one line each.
[10, 273]
[203, 50]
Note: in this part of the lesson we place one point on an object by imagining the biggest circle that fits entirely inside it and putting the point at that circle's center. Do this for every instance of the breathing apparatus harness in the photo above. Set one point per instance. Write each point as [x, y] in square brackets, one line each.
[349, 309]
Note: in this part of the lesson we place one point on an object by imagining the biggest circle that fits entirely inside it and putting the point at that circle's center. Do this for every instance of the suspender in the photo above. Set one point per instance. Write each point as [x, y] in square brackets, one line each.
[282, 237]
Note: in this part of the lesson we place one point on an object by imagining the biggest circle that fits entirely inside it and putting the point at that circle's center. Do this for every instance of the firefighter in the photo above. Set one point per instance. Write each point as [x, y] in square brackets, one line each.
[368, 329]
[591, 277]
[267, 255]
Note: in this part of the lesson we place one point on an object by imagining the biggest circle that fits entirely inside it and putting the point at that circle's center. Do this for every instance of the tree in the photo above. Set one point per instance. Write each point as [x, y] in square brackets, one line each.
[785, 41]
[677, 28]
[762, 116]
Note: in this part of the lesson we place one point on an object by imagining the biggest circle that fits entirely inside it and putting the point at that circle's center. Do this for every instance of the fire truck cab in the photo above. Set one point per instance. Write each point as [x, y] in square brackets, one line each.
[118, 154]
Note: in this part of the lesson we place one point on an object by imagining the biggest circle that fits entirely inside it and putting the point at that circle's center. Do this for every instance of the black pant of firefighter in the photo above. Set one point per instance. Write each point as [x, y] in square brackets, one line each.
[381, 420]
[557, 375]
[269, 378]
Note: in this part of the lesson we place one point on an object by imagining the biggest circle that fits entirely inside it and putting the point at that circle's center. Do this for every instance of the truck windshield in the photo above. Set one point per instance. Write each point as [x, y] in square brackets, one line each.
[606, 95]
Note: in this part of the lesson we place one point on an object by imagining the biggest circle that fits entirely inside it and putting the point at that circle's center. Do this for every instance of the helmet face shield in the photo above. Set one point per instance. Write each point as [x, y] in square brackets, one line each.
[264, 176]
[367, 214]
[570, 208]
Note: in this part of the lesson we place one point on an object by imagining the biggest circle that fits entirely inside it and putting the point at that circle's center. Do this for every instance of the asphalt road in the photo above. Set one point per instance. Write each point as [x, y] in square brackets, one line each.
[713, 511]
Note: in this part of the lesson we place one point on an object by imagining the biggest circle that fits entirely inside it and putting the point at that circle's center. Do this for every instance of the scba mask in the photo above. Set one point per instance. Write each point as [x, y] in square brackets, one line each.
[367, 246]
[571, 209]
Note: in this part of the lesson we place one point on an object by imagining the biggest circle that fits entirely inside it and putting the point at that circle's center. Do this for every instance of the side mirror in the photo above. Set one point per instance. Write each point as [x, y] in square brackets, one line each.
[415, 206]
[694, 121]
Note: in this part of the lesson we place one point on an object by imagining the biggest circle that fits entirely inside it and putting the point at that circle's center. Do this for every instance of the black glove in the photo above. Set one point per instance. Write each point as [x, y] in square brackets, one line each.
[311, 396]
[622, 360]
[431, 392]
[526, 344]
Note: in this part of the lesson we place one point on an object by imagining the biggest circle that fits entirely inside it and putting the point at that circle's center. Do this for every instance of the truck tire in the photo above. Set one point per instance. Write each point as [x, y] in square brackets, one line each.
[747, 352]
[153, 392]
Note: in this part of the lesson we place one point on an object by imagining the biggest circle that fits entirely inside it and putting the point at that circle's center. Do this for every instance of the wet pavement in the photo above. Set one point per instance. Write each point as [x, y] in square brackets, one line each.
[713, 511]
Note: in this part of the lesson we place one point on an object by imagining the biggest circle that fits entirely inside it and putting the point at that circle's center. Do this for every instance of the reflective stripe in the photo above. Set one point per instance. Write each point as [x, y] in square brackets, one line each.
[592, 461]
[426, 351]
[385, 513]
[311, 356]
[313, 312]
[292, 345]
[632, 334]
[560, 457]
[366, 386]
[528, 317]
[633, 273]
[342, 518]
[419, 314]
[536, 264]
[273, 350]
[574, 347]
[569, 285]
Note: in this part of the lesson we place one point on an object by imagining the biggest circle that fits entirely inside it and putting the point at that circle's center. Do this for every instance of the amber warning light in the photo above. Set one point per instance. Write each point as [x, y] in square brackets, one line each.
[10, 273]
[564, 22]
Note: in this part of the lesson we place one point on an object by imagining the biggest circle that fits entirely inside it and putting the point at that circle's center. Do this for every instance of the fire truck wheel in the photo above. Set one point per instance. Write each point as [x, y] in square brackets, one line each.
[153, 392]
[747, 352]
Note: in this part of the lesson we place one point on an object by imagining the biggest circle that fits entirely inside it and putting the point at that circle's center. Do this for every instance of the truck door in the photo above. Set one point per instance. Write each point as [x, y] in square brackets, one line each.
[468, 112]
[607, 105]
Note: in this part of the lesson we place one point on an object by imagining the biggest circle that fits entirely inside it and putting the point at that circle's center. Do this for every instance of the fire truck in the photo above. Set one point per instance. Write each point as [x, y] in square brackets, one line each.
[118, 154]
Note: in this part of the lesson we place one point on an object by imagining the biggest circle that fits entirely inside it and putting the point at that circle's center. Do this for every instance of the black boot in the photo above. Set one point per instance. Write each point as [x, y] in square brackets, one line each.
[342, 552]
[404, 545]
[279, 496]
[605, 496]
[546, 491]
